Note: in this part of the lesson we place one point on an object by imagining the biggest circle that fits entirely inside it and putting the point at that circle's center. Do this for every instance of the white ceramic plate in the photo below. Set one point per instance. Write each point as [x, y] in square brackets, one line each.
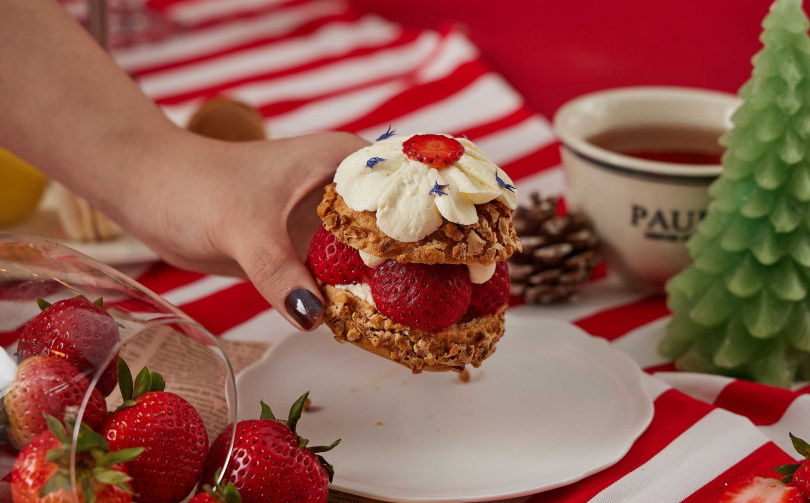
[124, 250]
[550, 407]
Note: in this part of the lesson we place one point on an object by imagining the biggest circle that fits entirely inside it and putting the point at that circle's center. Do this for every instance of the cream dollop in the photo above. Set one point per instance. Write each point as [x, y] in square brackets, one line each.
[382, 179]
[480, 274]
[370, 260]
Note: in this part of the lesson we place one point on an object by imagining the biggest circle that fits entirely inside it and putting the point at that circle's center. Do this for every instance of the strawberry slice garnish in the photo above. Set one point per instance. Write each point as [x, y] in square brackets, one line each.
[435, 150]
[751, 489]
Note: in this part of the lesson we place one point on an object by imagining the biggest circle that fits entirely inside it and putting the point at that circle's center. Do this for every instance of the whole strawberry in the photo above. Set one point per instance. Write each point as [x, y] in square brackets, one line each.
[75, 330]
[751, 489]
[227, 493]
[41, 471]
[491, 296]
[47, 386]
[270, 463]
[798, 474]
[427, 297]
[332, 261]
[169, 429]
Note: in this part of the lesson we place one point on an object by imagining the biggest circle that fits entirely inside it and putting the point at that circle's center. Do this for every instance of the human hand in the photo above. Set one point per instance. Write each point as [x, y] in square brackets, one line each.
[240, 209]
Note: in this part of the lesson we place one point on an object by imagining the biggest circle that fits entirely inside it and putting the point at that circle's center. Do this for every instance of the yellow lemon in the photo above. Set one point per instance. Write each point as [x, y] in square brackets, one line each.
[21, 188]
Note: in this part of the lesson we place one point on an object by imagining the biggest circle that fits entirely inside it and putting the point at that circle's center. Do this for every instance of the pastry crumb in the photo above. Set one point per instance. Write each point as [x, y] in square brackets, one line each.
[379, 423]
[464, 376]
[307, 404]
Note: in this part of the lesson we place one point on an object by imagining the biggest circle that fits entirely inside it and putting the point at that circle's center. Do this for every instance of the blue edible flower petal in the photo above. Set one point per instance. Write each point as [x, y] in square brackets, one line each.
[504, 185]
[373, 162]
[437, 189]
[387, 134]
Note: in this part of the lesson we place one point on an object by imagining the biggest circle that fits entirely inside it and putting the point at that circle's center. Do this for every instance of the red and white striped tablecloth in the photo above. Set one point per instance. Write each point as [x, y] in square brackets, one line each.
[315, 65]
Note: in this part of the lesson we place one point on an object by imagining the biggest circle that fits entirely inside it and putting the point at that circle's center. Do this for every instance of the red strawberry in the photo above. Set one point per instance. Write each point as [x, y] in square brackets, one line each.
[77, 330]
[332, 261]
[435, 150]
[801, 479]
[41, 472]
[427, 297]
[270, 463]
[750, 489]
[798, 474]
[170, 430]
[47, 386]
[489, 297]
[227, 493]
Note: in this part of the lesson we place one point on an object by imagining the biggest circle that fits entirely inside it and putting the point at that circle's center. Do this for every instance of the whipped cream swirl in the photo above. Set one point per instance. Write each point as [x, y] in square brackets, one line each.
[402, 192]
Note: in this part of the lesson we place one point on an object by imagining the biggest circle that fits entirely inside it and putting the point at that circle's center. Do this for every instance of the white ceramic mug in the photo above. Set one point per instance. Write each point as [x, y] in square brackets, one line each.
[643, 210]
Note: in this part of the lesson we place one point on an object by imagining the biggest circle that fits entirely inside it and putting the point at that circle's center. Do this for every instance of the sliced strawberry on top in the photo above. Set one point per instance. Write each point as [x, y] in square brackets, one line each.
[332, 261]
[435, 150]
[750, 489]
[427, 297]
[487, 298]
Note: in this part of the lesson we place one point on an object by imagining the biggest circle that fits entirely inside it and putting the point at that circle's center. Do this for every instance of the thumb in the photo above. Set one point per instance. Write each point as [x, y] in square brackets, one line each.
[280, 276]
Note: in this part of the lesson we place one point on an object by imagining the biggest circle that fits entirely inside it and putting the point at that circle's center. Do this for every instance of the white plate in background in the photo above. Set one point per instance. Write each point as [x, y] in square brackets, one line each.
[550, 407]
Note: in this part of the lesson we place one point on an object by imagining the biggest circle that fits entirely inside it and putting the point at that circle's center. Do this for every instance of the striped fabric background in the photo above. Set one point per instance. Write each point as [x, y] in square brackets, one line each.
[314, 65]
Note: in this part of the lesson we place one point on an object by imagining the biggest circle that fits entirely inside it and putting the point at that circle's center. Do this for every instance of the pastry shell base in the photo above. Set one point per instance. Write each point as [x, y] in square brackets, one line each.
[354, 320]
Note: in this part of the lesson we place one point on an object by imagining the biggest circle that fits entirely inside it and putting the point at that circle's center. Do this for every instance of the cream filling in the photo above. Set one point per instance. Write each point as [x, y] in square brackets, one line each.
[479, 274]
[361, 290]
[370, 260]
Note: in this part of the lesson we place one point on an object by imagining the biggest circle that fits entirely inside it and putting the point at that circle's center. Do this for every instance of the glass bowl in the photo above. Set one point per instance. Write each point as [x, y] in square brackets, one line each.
[153, 334]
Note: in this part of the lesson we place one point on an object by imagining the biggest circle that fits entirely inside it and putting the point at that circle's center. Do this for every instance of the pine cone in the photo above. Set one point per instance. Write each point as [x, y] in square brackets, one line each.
[559, 252]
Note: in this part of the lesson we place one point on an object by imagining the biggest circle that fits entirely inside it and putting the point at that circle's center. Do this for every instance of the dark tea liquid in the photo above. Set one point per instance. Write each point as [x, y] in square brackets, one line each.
[673, 144]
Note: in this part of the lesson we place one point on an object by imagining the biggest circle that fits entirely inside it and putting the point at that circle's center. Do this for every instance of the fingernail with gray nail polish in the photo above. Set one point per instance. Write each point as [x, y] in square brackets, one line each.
[304, 306]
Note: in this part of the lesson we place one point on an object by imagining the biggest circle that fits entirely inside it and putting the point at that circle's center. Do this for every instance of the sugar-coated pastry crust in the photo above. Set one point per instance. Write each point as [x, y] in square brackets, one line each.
[492, 238]
[354, 320]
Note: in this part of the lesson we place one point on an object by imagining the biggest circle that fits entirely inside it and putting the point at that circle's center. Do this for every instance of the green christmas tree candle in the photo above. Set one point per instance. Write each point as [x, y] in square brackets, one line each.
[742, 308]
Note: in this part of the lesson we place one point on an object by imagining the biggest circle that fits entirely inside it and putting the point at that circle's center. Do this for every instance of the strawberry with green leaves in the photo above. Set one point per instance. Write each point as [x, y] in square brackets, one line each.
[78, 331]
[169, 429]
[797, 474]
[47, 386]
[220, 493]
[270, 462]
[41, 472]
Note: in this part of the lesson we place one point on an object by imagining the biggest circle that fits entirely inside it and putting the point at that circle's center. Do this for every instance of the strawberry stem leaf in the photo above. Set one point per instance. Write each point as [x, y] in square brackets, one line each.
[143, 383]
[118, 457]
[111, 477]
[267, 413]
[801, 446]
[57, 428]
[158, 384]
[231, 494]
[99, 302]
[124, 379]
[296, 410]
[787, 469]
[321, 448]
[787, 479]
[60, 480]
[43, 304]
[88, 491]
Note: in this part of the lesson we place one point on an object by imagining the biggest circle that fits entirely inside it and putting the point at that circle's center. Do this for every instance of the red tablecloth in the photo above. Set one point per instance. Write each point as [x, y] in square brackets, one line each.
[313, 65]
